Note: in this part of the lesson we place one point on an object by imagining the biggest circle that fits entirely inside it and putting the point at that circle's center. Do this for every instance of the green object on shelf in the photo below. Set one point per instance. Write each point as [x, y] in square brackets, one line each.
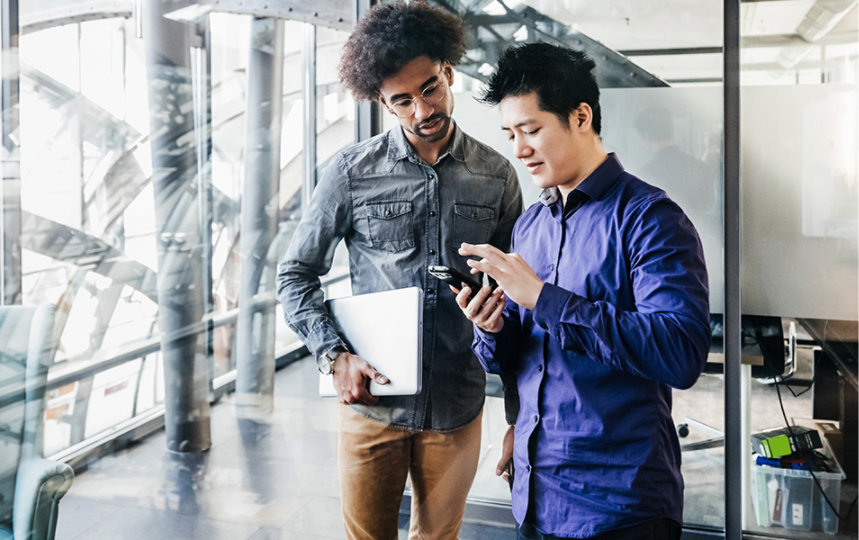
[778, 442]
[776, 446]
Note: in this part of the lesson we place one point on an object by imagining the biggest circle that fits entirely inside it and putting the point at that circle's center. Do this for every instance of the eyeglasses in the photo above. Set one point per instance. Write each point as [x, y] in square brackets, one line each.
[431, 95]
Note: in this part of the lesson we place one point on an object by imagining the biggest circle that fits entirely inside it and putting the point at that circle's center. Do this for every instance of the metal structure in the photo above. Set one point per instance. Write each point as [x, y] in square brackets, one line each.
[255, 331]
[308, 88]
[488, 35]
[180, 292]
[734, 437]
[10, 161]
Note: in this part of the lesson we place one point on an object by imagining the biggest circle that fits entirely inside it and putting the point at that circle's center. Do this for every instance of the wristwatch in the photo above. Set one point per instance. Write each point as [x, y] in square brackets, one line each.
[325, 361]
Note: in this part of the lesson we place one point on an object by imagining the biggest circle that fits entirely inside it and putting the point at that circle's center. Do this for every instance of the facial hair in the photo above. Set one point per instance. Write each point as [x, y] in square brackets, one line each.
[438, 135]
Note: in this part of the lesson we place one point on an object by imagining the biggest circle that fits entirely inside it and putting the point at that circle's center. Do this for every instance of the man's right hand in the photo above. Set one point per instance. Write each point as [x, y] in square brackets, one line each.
[352, 375]
[505, 464]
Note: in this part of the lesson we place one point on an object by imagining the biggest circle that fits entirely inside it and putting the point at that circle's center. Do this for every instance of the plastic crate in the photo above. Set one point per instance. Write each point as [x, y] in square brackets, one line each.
[791, 499]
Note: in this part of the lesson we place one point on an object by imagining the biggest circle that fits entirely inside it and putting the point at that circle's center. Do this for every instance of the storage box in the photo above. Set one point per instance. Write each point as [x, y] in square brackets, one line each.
[790, 498]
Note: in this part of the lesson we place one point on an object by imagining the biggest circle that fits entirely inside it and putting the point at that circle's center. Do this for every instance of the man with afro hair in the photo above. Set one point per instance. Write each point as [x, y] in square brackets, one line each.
[402, 201]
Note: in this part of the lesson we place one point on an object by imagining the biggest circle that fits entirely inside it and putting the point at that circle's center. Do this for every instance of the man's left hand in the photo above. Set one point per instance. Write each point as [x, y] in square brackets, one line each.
[512, 273]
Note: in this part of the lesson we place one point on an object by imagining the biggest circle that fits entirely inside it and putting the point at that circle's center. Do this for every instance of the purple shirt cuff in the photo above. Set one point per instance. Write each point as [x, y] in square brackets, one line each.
[550, 306]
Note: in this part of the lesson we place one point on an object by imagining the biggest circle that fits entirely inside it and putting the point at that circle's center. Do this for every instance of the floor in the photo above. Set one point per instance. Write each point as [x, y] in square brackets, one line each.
[257, 482]
[276, 479]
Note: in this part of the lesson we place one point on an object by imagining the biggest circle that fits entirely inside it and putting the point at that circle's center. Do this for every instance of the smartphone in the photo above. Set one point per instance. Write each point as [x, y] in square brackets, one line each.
[510, 470]
[456, 278]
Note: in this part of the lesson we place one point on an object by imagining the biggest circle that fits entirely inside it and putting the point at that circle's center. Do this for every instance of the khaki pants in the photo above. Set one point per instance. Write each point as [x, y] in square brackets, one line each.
[373, 460]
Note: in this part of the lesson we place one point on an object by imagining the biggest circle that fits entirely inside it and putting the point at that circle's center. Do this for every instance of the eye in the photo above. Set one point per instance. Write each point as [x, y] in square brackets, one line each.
[403, 103]
[533, 132]
[430, 90]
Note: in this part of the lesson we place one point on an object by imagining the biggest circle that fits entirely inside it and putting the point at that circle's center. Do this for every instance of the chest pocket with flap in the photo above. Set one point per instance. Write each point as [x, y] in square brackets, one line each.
[472, 223]
[391, 225]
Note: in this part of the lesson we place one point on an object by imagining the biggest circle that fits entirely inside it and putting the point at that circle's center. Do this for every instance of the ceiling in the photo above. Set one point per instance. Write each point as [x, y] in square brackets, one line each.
[678, 41]
[681, 40]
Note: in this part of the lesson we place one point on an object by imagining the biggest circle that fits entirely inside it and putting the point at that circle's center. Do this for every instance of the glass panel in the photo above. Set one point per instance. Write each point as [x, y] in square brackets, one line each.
[88, 225]
[335, 128]
[335, 117]
[229, 52]
[671, 137]
[799, 261]
[89, 230]
[229, 60]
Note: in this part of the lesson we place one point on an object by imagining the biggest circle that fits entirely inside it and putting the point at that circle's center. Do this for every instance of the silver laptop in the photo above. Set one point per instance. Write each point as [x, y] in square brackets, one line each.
[386, 330]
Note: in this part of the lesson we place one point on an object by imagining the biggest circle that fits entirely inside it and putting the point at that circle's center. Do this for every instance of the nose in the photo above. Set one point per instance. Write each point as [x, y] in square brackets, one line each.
[520, 149]
[423, 109]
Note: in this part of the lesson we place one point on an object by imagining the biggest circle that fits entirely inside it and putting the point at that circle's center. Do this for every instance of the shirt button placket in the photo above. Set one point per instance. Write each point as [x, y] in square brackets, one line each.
[433, 225]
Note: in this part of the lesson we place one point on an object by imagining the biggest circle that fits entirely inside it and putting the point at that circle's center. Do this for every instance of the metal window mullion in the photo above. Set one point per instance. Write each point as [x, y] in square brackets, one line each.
[368, 114]
[201, 82]
[734, 495]
[10, 206]
[310, 124]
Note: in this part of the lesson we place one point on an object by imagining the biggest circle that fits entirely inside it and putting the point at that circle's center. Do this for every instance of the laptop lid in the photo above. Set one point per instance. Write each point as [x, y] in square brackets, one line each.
[385, 329]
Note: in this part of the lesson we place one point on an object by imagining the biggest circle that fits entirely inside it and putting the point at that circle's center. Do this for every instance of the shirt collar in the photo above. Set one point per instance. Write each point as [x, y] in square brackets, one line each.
[399, 146]
[595, 186]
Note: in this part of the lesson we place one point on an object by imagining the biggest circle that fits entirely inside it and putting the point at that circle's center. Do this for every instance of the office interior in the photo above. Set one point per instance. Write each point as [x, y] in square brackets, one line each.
[157, 157]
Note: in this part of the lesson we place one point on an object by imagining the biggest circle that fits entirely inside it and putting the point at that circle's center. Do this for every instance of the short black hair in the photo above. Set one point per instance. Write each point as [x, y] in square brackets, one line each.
[562, 78]
[390, 36]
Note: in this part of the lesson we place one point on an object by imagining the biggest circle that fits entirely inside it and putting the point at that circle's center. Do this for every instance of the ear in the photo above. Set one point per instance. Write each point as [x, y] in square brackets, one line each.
[581, 117]
[384, 103]
[447, 72]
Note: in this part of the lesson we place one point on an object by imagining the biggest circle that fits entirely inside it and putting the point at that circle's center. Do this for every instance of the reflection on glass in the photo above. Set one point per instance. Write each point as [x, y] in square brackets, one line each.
[800, 219]
[672, 138]
[30, 486]
[89, 221]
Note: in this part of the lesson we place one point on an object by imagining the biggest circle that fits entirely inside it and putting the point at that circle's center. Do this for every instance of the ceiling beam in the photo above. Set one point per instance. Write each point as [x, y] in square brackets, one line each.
[336, 14]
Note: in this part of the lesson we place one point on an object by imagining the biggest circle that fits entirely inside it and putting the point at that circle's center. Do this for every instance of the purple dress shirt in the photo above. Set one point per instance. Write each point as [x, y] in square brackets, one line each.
[622, 318]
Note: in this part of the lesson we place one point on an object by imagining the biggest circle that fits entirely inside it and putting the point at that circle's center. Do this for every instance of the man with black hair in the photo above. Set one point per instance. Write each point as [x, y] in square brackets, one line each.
[606, 310]
[403, 200]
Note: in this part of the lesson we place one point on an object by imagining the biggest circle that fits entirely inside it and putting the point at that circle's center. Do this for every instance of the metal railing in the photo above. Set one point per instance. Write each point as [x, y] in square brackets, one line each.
[144, 422]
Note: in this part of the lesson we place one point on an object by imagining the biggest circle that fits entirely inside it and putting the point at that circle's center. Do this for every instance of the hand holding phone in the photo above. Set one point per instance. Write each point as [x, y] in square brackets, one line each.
[454, 277]
[488, 315]
[510, 472]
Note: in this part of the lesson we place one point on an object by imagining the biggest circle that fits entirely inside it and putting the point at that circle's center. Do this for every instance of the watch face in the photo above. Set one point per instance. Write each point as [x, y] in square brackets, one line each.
[325, 364]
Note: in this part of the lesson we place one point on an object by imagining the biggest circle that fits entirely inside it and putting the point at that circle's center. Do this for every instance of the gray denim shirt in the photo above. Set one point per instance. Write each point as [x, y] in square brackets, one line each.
[399, 215]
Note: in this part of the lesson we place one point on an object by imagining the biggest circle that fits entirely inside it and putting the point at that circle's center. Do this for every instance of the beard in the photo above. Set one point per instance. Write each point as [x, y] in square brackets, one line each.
[436, 135]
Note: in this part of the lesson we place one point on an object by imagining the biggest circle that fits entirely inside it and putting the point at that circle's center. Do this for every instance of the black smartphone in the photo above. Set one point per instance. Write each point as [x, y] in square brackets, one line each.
[510, 470]
[456, 278]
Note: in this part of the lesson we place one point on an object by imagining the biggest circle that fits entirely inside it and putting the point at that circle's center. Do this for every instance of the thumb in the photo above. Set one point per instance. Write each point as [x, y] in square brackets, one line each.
[502, 464]
[371, 373]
